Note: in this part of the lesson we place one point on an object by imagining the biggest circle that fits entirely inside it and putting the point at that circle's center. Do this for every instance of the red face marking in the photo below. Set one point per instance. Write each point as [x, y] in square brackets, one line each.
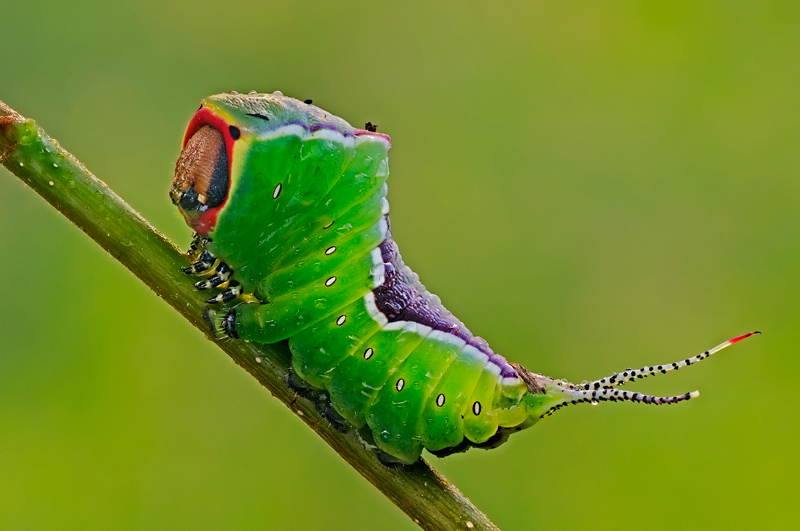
[204, 222]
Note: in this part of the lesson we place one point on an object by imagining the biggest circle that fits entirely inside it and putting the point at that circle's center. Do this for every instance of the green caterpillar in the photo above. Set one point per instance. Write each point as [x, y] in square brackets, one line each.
[289, 207]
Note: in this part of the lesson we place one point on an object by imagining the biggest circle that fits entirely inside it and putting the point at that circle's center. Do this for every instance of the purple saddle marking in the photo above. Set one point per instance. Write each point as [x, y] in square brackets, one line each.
[402, 297]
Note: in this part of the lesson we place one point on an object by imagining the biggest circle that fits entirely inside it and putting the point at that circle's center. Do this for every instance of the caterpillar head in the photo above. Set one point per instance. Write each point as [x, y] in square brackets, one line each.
[203, 171]
[219, 140]
[547, 395]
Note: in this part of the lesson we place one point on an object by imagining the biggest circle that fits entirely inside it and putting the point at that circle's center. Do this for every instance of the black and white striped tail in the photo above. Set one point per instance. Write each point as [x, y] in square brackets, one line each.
[606, 389]
[628, 375]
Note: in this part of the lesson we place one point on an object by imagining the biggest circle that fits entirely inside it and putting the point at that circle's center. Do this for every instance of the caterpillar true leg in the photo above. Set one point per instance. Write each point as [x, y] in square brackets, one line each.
[196, 246]
[221, 275]
[233, 291]
[205, 262]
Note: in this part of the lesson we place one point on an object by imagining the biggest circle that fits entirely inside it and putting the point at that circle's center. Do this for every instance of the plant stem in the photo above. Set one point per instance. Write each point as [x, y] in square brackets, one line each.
[41, 163]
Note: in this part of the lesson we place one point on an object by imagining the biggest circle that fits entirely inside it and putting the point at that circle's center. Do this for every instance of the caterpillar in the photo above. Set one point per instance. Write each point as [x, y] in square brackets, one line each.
[288, 204]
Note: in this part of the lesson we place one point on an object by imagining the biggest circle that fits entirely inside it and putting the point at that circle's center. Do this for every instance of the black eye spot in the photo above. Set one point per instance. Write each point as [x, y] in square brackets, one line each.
[308, 102]
[234, 131]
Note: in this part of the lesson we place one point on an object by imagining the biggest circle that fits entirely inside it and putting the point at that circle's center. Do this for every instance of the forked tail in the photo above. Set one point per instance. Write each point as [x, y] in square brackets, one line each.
[559, 393]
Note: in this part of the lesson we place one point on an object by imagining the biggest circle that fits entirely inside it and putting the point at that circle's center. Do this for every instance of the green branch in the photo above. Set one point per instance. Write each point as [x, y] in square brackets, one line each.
[41, 163]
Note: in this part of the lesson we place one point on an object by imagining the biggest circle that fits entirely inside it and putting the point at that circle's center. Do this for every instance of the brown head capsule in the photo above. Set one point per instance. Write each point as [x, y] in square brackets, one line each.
[201, 173]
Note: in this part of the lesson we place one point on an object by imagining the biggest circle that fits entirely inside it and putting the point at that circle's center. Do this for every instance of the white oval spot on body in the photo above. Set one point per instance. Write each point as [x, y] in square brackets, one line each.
[330, 281]
[277, 191]
[258, 360]
[440, 400]
[52, 183]
[399, 385]
[368, 353]
[330, 250]
[470, 524]
[476, 408]
[340, 321]
[55, 165]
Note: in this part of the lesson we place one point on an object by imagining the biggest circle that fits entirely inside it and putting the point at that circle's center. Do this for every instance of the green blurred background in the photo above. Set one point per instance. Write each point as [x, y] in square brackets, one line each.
[590, 186]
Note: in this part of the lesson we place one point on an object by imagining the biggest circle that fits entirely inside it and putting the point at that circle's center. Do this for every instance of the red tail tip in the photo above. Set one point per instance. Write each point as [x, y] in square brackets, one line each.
[735, 339]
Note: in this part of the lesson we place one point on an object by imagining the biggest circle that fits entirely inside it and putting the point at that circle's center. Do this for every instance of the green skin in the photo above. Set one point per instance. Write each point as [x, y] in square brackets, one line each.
[302, 182]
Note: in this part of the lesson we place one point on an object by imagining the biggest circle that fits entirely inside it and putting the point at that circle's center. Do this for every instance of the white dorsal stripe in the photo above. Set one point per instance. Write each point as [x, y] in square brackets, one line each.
[376, 139]
[333, 135]
[284, 130]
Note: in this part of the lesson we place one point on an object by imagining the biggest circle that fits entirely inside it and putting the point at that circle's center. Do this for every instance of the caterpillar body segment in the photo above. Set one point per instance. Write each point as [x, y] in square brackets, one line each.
[289, 207]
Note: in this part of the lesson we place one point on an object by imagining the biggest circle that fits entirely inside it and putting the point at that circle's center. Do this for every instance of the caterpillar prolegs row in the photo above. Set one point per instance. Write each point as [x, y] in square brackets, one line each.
[288, 203]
